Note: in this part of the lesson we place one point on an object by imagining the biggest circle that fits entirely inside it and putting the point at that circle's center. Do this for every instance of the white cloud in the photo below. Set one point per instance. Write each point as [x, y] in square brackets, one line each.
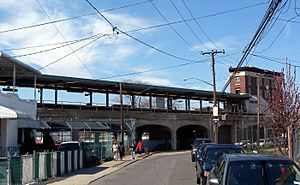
[157, 81]
[229, 44]
[109, 52]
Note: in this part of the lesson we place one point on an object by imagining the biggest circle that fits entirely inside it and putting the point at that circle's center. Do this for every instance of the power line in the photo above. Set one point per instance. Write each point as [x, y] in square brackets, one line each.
[78, 58]
[200, 27]
[188, 24]
[133, 30]
[115, 29]
[255, 39]
[184, 40]
[164, 68]
[197, 23]
[69, 53]
[45, 45]
[277, 36]
[279, 61]
[126, 6]
[61, 46]
[75, 17]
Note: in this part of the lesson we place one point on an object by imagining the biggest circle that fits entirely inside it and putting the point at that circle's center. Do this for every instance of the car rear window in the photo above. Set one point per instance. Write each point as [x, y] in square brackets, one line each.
[199, 141]
[213, 154]
[274, 172]
[282, 172]
[245, 173]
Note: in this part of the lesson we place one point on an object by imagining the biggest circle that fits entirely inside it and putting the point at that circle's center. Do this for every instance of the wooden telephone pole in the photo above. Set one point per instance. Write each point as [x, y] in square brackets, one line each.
[121, 114]
[212, 53]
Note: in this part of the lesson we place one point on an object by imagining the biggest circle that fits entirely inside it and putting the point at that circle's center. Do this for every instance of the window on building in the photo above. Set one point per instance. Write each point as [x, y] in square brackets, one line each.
[237, 91]
[249, 90]
[237, 79]
[249, 80]
[261, 82]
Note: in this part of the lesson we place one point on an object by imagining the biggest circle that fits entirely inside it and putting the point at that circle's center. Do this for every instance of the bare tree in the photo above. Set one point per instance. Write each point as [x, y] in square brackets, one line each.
[283, 110]
[139, 101]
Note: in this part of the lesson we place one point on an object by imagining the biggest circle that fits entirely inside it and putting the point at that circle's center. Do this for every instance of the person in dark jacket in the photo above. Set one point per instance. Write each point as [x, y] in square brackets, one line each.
[132, 150]
[121, 150]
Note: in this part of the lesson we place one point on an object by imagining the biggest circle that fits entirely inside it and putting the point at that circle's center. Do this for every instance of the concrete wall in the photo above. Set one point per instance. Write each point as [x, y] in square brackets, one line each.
[173, 121]
[2, 133]
[12, 133]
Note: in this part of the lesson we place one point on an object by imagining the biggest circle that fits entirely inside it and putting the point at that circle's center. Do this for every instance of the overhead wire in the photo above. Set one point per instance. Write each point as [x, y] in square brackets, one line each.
[201, 28]
[117, 30]
[177, 33]
[254, 41]
[164, 68]
[61, 46]
[83, 46]
[274, 60]
[62, 36]
[134, 30]
[277, 36]
[273, 21]
[75, 17]
[182, 17]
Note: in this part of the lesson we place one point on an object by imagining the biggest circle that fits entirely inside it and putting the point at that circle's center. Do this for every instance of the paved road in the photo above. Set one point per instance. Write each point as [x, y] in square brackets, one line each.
[159, 169]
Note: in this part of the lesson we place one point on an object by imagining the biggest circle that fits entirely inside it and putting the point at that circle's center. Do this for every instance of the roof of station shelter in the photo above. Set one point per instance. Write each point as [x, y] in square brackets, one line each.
[7, 64]
[25, 75]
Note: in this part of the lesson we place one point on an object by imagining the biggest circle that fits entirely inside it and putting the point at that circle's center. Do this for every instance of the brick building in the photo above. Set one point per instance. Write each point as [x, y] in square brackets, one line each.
[247, 78]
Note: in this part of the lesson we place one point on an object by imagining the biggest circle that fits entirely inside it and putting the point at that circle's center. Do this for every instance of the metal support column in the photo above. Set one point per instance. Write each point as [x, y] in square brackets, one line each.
[41, 95]
[55, 95]
[107, 98]
[150, 101]
[91, 98]
[132, 101]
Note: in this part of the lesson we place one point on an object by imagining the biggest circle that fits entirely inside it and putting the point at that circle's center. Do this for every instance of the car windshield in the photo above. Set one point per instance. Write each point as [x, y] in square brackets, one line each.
[213, 154]
[275, 173]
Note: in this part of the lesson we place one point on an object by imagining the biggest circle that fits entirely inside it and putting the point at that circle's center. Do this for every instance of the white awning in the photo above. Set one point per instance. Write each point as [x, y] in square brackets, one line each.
[6, 113]
[24, 120]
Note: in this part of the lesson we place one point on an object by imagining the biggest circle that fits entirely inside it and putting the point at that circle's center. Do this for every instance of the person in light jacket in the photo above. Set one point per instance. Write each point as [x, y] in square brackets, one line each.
[115, 150]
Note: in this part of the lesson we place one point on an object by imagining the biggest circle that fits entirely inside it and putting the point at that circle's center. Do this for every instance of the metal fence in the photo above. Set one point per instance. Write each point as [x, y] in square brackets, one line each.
[27, 169]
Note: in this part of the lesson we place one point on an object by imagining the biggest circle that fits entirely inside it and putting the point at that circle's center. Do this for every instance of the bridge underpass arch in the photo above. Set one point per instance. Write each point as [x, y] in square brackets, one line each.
[186, 135]
[159, 137]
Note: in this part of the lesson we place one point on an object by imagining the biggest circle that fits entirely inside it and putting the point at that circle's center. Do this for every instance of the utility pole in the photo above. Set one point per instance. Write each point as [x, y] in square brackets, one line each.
[215, 108]
[121, 114]
[258, 111]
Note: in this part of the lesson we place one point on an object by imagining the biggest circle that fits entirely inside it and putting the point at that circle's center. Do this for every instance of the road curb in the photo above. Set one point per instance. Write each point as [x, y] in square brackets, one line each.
[119, 167]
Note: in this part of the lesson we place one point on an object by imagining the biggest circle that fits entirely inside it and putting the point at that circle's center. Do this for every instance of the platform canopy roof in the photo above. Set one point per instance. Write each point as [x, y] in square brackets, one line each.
[25, 78]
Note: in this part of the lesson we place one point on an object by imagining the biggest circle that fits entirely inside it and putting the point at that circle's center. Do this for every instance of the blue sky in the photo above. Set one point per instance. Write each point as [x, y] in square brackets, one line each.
[118, 54]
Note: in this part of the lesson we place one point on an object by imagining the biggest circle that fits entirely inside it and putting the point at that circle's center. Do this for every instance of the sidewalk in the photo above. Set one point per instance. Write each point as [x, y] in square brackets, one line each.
[87, 175]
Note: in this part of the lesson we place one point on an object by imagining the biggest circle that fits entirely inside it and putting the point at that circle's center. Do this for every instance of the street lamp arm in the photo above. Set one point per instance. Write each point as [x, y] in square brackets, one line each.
[186, 79]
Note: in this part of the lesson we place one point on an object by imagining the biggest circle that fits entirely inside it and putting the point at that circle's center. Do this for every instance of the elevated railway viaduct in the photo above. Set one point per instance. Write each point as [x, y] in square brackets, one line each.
[175, 127]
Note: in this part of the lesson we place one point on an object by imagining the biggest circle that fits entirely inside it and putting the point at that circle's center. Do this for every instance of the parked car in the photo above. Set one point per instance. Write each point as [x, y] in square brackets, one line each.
[210, 155]
[69, 145]
[254, 169]
[195, 145]
[265, 142]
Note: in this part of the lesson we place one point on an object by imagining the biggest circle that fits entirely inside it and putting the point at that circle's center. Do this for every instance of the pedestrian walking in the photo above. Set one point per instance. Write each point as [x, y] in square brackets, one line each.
[121, 150]
[132, 150]
[139, 147]
[115, 150]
